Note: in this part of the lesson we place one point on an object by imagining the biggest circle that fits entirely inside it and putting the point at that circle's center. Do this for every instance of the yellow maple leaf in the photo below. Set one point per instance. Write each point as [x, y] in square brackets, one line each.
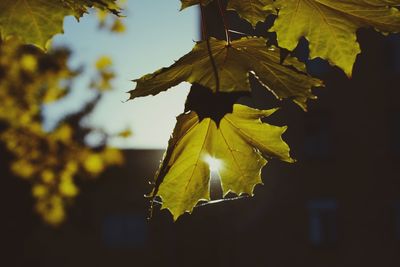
[241, 143]
[253, 11]
[234, 62]
[330, 26]
[37, 21]
[188, 3]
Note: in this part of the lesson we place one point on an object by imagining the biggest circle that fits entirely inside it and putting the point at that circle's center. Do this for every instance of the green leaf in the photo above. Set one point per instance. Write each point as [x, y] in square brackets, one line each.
[188, 3]
[37, 21]
[234, 64]
[253, 11]
[239, 144]
[330, 26]
[250, 10]
[81, 6]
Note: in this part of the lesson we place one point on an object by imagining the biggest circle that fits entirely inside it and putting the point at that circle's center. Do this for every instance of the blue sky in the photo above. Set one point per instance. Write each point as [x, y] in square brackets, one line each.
[157, 34]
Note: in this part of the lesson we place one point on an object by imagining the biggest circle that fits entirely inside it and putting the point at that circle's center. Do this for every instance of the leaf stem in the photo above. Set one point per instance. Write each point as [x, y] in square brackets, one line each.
[225, 22]
[206, 37]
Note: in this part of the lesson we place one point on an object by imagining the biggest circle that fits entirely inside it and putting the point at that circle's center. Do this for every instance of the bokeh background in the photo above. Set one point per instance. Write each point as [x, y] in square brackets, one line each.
[339, 205]
[155, 35]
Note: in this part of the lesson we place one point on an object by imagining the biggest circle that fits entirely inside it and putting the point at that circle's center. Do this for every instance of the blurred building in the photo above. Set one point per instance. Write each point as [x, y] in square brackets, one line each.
[338, 206]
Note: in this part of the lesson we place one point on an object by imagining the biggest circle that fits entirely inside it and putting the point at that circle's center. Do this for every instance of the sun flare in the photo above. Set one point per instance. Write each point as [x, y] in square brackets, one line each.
[214, 163]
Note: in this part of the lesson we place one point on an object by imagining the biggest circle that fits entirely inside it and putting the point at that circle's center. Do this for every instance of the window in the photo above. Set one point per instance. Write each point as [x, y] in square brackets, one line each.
[124, 231]
[322, 224]
[317, 139]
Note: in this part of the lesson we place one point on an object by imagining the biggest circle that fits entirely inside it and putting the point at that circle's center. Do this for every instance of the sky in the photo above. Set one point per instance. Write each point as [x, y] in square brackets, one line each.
[156, 35]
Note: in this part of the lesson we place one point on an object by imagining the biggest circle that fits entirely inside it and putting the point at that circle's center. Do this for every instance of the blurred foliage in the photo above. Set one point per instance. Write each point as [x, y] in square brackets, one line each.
[102, 81]
[51, 161]
[110, 22]
[125, 133]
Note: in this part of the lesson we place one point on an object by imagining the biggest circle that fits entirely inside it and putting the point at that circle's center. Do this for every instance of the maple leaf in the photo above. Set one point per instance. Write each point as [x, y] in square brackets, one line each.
[253, 11]
[188, 3]
[37, 21]
[234, 64]
[239, 143]
[330, 26]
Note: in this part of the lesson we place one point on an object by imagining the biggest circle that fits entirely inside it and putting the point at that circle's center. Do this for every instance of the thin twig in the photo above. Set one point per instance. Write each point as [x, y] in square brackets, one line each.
[211, 201]
[225, 22]
[206, 37]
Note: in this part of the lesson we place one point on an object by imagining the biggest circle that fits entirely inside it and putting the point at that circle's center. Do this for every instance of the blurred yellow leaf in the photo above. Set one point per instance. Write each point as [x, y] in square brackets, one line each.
[23, 168]
[29, 63]
[118, 26]
[68, 188]
[51, 161]
[111, 23]
[102, 80]
[51, 209]
[94, 164]
[63, 133]
[113, 156]
[125, 133]
[39, 190]
[103, 63]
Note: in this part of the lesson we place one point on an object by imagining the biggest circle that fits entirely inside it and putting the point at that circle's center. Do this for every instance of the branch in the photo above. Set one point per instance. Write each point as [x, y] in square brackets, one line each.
[225, 22]
[206, 37]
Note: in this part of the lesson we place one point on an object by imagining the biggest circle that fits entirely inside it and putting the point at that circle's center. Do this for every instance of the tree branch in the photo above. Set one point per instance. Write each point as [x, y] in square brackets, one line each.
[206, 37]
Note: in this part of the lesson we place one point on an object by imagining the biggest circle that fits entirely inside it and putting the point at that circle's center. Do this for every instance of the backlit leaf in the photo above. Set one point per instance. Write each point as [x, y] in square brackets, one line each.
[253, 11]
[37, 21]
[188, 3]
[241, 143]
[330, 26]
[234, 64]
